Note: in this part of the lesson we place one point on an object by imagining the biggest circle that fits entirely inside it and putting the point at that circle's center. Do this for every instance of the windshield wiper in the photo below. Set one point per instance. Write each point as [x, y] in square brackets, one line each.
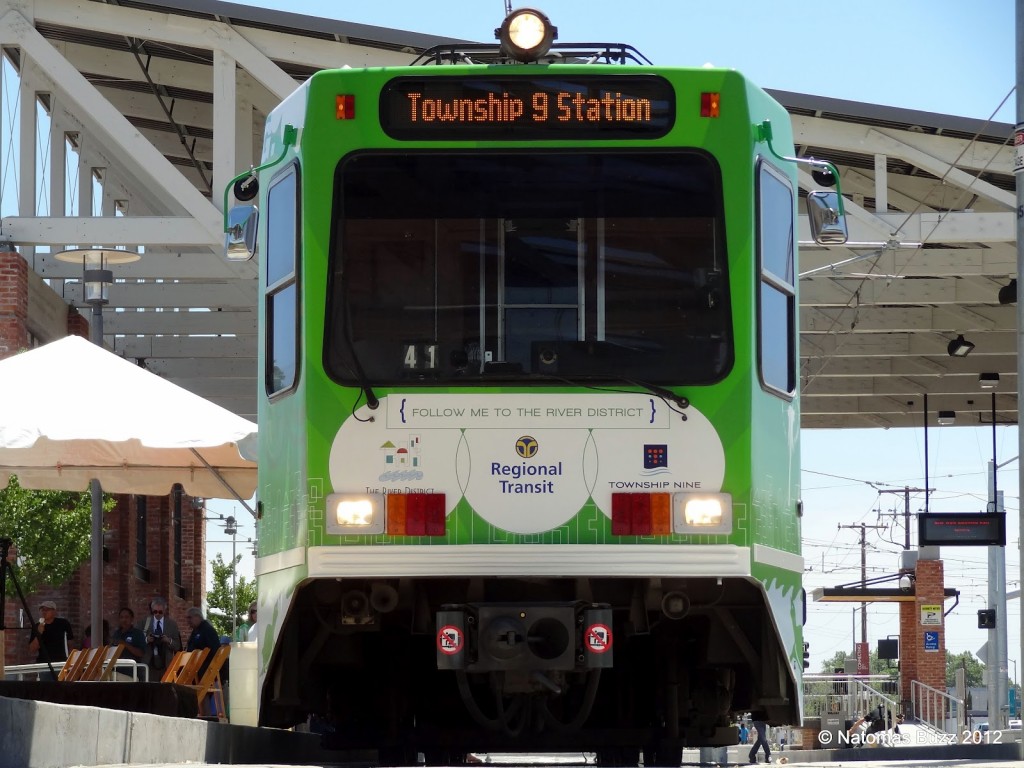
[364, 383]
[669, 397]
[665, 394]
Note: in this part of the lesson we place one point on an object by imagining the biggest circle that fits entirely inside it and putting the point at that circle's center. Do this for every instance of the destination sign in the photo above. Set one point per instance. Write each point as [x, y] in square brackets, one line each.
[511, 108]
[971, 529]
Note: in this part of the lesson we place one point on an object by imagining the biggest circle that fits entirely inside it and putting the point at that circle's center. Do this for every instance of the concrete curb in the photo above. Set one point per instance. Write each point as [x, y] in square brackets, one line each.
[993, 752]
[39, 734]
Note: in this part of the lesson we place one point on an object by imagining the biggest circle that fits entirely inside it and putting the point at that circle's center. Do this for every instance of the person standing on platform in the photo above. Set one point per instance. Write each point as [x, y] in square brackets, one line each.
[87, 635]
[133, 638]
[203, 636]
[761, 729]
[242, 632]
[163, 639]
[252, 633]
[52, 636]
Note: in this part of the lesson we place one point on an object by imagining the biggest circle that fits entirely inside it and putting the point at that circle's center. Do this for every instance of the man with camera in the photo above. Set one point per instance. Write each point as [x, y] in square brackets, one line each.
[163, 639]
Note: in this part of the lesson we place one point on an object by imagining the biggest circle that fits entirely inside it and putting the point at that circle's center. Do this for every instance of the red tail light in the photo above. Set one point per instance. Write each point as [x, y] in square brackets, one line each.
[641, 514]
[416, 514]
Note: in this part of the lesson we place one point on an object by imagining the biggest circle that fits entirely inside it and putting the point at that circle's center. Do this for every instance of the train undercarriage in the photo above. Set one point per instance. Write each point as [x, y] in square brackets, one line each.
[441, 667]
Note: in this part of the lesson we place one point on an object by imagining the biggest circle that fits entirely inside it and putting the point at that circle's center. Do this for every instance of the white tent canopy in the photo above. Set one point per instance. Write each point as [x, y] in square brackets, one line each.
[71, 412]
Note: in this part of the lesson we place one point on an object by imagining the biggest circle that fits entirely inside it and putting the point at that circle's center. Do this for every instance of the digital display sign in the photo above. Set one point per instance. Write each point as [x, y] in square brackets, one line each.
[971, 529]
[511, 108]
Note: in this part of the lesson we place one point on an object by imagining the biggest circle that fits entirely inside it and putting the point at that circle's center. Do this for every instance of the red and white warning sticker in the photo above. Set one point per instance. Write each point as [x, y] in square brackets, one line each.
[449, 639]
[1018, 149]
[598, 638]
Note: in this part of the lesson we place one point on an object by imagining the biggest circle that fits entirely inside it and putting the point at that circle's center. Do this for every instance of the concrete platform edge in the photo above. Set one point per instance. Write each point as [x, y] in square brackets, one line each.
[993, 752]
[38, 734]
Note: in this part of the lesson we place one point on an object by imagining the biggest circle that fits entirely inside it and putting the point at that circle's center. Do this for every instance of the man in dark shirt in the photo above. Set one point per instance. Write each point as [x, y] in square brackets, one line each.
[134, 639]
[51, 636]
[203, 636]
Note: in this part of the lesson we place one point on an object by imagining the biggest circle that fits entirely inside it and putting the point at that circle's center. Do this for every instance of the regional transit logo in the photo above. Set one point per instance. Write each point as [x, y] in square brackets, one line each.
[527, 447]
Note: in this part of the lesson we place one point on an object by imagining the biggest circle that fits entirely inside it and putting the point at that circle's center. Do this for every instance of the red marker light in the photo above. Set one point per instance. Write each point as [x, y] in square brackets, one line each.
[641, 514]
[416, 514]
[345, 107]
[709, 104]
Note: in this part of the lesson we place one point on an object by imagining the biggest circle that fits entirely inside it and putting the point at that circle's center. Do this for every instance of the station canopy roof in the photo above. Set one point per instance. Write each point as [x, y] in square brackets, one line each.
[139, 91]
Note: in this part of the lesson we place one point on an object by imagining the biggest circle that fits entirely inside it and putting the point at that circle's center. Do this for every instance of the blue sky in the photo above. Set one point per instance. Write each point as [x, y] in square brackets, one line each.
[943, 56]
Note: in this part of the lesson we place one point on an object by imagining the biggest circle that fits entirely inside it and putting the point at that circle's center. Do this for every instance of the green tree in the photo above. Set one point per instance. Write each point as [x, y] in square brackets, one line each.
[877, 666]
[970, 662]
[51, 529]
[218, 597]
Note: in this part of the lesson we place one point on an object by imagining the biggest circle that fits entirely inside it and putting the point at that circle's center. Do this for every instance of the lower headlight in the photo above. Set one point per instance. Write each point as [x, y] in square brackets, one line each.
[702, 512]
[355, 513]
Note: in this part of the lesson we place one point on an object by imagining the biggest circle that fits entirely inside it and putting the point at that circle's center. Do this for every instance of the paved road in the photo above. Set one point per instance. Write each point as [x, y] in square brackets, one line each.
[513, 761]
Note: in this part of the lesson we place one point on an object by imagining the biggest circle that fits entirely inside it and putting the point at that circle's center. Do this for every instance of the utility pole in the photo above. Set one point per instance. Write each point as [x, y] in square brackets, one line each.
[231, 529]
[907, 490]
[1018, 175]
[863, 581]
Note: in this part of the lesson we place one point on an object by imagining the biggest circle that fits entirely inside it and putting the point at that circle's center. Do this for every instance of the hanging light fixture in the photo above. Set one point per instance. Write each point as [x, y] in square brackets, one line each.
[960, 347]
[1008, 293]
[988, 380]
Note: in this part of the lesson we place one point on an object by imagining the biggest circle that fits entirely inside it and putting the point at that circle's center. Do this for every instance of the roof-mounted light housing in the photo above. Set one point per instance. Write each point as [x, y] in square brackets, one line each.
[526, 34]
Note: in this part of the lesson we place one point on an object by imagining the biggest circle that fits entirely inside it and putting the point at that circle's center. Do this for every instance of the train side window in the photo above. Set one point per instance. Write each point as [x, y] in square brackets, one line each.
[282, 284]
[777, 284]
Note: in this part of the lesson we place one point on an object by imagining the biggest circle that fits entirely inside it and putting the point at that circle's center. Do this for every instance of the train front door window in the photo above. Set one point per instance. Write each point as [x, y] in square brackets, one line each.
[539, 281]
[450, 267]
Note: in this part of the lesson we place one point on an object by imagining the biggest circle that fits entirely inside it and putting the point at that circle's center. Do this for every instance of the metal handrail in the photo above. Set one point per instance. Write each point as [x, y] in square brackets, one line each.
[821, 693]
[933, 707]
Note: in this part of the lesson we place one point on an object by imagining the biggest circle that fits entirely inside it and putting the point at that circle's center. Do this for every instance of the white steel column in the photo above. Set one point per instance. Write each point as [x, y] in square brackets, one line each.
[58, 160]
[27, 148]
[243, 134]
[224, 131]
[1018, 170]
[881, 185]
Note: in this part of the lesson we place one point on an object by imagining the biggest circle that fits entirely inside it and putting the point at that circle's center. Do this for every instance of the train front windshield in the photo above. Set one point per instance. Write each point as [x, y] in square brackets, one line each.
[532, 267]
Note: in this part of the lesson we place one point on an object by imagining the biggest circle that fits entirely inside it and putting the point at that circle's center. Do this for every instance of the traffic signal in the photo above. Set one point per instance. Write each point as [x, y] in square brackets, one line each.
[807, 655]
[987, 618]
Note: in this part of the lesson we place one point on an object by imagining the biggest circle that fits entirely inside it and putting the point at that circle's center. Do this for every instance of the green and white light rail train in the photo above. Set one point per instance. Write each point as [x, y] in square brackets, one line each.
[529, 424]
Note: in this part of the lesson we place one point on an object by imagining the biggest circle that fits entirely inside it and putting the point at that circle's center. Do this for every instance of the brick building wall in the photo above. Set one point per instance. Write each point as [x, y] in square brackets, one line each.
[126, 582]
[14, 334]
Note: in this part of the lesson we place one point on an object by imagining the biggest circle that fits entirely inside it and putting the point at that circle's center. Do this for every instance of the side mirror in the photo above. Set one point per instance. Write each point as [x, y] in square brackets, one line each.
[240, 238]
[828, 226]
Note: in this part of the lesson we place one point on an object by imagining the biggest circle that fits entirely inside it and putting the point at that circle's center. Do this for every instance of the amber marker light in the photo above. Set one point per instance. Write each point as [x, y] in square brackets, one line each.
[345, 107]
[709, 104]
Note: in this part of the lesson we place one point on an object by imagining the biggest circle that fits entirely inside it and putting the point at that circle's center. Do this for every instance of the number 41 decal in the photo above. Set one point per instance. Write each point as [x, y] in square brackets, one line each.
[420, 357]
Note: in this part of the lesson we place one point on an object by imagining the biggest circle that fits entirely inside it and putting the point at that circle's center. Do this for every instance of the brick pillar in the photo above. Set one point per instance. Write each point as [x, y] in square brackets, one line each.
[14, 335]
[77, 324]
[909, 646]
[916, 662]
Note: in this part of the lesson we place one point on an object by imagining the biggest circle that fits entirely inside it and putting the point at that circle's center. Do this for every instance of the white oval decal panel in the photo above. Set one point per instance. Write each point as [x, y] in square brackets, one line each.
[526, 463]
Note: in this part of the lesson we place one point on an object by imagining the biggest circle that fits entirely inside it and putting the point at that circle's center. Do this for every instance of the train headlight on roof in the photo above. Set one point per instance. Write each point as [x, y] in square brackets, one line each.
[702, 513]
[355, 513]
[526, 34]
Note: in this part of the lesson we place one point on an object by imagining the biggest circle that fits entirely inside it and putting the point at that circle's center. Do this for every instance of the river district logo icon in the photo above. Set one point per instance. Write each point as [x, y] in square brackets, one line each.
[527, 447]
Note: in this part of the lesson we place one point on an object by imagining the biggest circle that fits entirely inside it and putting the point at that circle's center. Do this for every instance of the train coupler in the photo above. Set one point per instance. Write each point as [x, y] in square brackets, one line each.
[492, 637]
